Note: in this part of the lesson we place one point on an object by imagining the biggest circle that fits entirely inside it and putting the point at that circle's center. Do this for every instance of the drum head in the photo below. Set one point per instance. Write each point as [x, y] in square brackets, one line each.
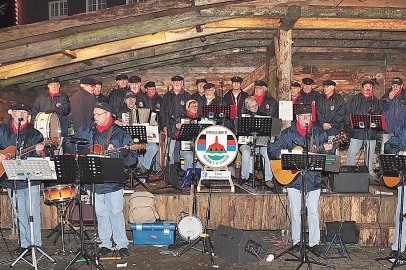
[48, 124]
[216, 146]
[190, 228]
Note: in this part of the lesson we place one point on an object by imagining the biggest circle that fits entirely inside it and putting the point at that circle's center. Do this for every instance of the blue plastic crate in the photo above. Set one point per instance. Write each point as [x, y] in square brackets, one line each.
[157, 233]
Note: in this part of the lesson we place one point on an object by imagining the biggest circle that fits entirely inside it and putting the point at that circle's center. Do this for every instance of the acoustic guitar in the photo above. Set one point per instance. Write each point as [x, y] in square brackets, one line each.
[285, 177]
[98, 149]
[10, 151]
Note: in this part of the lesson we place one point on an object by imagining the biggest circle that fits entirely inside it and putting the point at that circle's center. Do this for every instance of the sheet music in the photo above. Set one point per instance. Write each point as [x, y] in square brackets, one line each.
[286, 110]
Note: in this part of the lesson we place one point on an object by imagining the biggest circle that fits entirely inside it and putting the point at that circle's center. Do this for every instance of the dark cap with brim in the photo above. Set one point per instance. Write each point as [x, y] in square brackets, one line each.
[329, 82]
[208, 86]
[201, 81]
[371, 82]
[53, 80]
[304, 109]
[121, 77]
[134, 79]
[20, 107]
[177, 78]
[260, 83]
[104, 106]
[88, 81]
[295, 84]
[149, 84]
[236, 79]
[129, 94]
[307, 81]
[397, 80]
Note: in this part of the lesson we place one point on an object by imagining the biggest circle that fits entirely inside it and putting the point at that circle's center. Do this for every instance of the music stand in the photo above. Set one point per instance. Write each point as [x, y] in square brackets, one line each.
[254, 126]
[27, 170]
[304, 162]
[394, 165]
[368, 122]
[216, 111]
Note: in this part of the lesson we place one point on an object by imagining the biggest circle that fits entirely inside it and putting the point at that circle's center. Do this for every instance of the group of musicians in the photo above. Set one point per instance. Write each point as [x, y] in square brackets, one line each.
[98, 118]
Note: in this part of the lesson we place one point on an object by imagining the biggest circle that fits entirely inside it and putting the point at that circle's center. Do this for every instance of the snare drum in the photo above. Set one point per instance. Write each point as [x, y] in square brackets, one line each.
[190, 228]
[59, 193]
[48, 124]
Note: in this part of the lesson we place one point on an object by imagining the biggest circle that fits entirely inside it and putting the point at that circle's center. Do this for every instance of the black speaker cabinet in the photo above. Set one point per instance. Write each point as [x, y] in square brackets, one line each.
[351, 179]
[238, 246]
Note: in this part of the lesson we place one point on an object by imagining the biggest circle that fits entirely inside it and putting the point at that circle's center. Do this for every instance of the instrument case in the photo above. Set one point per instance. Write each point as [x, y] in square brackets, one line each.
[157, 233]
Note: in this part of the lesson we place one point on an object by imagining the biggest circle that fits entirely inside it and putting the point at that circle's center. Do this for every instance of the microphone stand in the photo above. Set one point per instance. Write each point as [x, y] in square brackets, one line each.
[93, 192]
[14, 192]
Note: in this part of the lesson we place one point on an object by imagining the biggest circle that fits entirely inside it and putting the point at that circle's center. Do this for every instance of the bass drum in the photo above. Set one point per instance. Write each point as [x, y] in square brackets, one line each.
[190, 228]
[48, 124]
[216, 147]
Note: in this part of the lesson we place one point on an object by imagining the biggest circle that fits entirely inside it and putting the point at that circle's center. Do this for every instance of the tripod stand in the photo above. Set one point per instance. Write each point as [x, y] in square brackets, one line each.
[27, 170]
[390, 166]
[304, 163]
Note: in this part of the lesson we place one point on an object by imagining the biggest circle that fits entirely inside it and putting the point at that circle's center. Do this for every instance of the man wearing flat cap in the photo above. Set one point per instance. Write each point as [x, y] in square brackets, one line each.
[28, 136]
[116, 96]
[53, 101]
[109, 197]
[267, 104]
[97, 91]
[308, 96]
[135, 86]
[82, 103]
[294, 91]
[152, 100]
[361, 104]
[330, 110]
[173, 108]
[393, 105]
[210, 97]
[199, 94]
[294, 136]
[235, 98]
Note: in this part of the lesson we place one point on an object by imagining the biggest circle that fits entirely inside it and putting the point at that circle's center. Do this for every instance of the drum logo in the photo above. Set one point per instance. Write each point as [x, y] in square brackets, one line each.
[216, 146]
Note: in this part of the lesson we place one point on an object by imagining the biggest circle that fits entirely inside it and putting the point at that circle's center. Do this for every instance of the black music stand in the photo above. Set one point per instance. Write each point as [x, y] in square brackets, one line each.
[139, 136]
[304, 162]
[27, 170]
[394, 165]
[254, 126]
[368, 122]
[217, 112]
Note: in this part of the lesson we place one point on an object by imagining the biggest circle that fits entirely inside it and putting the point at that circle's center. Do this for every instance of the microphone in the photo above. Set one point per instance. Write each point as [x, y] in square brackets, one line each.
[77, 140]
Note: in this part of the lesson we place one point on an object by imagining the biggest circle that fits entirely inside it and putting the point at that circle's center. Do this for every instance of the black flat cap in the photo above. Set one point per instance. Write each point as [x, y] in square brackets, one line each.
[295, 84]
[397, 80]
[260, 83]
[121, 77]
[236, 79]
[88, 81]
[97, 82]
[304, 109]
[371, 82]
[130, 94]
[134, 79]
[177, 78]
[20, 106]
[104, 106]
[208, 86]
[150, 84]
[201, 81]
[53, 80]
[307, 81]
[329, 82]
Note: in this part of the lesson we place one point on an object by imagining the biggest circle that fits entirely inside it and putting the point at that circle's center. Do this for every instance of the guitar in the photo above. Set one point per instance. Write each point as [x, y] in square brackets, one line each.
[10, 151]
[391, 181]
[285, 177]
[98, 149]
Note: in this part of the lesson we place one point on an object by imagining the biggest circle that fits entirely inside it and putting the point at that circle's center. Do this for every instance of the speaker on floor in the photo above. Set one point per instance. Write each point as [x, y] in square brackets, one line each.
[238, 246]
[351, 179]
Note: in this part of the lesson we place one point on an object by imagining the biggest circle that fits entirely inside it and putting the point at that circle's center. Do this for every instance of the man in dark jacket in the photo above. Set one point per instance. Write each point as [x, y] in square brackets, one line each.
[397, 146]
[362, 104]
[267, 105]
[152, 100]
[28, 137]
[82, 103]
[210, 97]
[393, 104]
[330, 110]
[54, 101]
[97, 91]
[291, 137]
[308, 96]
[199, 94]
[109, 196]
[116, 96]
[235, 97]
[134, 82]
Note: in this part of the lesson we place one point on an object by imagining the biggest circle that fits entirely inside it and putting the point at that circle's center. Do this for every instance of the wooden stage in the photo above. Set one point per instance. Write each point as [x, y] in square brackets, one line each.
[373, 213]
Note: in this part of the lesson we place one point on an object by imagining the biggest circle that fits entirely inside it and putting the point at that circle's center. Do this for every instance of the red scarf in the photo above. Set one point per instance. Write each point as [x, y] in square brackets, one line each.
[329, 96]
[15, 128]
[192, 115]
[53, 94]
[295, 98]
[302, 131]
[177, 93]
[259, 98]
[101, 129]
[398, 93]
[136, 93]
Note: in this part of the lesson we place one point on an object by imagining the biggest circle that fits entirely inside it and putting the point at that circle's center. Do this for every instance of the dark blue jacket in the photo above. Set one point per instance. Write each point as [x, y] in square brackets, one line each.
[119, 138]
[30, 136]
[116, 98]
[47, 103]
[331, 111]
[397, 142]
[269, 106]
[289, 139]
[173, 109]
[359, 105]
[394, 111]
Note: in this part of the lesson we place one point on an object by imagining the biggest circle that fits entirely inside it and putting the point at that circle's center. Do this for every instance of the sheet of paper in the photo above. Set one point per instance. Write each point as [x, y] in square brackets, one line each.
[286, 110]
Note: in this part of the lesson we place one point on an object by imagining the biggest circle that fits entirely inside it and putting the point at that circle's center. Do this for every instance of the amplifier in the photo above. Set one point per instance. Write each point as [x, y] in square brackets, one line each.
[351, 179]
[348, 229]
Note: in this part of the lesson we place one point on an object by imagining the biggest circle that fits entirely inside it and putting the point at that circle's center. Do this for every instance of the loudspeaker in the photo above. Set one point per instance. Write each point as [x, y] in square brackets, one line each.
[351, 179]
[348, 229]
[73, 214]
[238, 246]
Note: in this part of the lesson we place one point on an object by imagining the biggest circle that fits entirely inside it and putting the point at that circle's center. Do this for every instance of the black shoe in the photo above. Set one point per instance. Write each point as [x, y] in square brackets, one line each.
[103, 251]
[394, 254]
[296, 248]
[124, 252]
[19, 250]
